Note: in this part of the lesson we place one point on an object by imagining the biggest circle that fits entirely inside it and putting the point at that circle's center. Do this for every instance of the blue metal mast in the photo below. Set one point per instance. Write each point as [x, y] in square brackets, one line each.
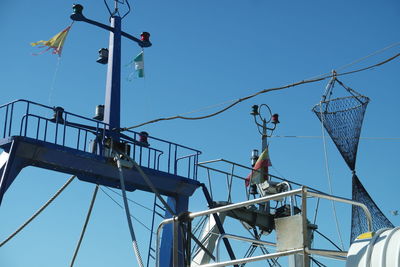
[112, 107]
[29, 138]
[112, 104]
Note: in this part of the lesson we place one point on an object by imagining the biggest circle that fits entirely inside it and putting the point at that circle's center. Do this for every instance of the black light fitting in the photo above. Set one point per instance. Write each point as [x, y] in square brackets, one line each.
[254, 111]
[103, 56]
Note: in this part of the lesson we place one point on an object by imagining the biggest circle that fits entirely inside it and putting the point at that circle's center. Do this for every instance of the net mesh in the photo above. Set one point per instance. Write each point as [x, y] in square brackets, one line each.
[359, 223]
[342, 119]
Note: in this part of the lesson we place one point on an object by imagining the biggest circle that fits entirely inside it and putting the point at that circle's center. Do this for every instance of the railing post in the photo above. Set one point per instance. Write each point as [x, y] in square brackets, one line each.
[11, 118]
[175, 162]
[38, 129]
[169, 157]
[5, 123]
[65, 129]
[306, 243]
[26, 115]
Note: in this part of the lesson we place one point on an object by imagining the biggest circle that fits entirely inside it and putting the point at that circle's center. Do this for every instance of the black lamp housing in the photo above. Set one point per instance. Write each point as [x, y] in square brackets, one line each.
[254, 111]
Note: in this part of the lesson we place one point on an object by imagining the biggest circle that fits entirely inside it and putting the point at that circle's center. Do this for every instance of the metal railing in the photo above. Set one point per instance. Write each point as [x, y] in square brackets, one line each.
[56, 126]
[232, 174]
[303, 193]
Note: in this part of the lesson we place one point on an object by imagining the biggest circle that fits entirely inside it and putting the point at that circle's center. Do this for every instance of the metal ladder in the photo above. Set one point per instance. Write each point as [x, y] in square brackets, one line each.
[158, 210]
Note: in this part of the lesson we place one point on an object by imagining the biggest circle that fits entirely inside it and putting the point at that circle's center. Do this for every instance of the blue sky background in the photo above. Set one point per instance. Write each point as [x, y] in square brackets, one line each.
[204, 53]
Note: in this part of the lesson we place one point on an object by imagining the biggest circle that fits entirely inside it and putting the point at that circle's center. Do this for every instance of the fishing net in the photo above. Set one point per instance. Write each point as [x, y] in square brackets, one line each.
[342, 118]
[359, 223]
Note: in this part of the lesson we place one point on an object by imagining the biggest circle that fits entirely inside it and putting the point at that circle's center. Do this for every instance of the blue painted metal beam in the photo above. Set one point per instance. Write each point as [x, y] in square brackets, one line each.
[81, 17]
[179, 204]
[89, 167]
[112, 106]
[10, 168]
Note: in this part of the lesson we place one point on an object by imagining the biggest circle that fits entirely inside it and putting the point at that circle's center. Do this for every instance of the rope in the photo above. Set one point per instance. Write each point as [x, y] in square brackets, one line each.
[96, 189]
[38, 211]
[128, 215]
[329, 179]
[261, 92]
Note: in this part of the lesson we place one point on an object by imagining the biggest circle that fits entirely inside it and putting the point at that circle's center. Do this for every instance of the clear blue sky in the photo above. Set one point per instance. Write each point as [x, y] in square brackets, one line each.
[204, 53]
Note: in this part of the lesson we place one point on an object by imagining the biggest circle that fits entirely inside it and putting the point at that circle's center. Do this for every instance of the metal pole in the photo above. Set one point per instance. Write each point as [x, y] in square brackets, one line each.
[305, 250]
[112, 105]
[175, 243]
[263, 147]
[264, 136]
[306, 241]
[188, 242]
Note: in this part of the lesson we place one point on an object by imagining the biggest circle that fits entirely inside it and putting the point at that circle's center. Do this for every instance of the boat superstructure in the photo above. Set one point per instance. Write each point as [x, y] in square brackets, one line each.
[272, 218]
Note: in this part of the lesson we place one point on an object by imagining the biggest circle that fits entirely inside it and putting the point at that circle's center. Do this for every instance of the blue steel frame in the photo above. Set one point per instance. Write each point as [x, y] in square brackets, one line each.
[29, 119]
[48, 143]
[42, 136]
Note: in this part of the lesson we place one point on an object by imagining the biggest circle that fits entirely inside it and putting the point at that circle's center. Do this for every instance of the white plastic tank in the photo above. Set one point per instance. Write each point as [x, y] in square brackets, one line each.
[375, 249]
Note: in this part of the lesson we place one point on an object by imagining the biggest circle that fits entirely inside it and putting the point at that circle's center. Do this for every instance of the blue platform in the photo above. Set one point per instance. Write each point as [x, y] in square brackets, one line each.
[35, 135]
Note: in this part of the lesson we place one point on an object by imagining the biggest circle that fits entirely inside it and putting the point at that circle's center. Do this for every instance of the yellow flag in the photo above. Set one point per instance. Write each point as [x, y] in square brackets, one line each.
[56, 43]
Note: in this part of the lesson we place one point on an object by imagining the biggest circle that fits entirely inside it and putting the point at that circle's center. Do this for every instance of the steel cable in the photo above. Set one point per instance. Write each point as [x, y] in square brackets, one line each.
[38, 211]
[261, 92]
[96, 189]
[128, 215]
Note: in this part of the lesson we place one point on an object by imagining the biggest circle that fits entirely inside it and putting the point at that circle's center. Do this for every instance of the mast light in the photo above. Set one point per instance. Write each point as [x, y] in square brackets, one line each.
[254, 112]
[77, 9]
[145, 38]
[103, 56]
[275, 119]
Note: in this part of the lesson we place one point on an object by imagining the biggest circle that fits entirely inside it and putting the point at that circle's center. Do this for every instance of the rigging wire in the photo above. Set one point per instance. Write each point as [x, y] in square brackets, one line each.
[368, 56]
[52, 87]
[237, 101]
[330, 241]
[150, 184]
[128, 215]
[38, 211]
[122, 207]
[320, 264]
[137, 203]
[317, 137]
[261, 246]
[359, 60]
[329, 178]
[96, 189]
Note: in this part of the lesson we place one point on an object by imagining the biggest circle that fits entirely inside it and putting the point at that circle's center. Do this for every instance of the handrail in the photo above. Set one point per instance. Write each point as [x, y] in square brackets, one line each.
[24, 100]
[241, 238]
[348, 201]
[32, 120]
[304, 193]
[161, 140]
[93, 120]
[201, 164]
[180, 158]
